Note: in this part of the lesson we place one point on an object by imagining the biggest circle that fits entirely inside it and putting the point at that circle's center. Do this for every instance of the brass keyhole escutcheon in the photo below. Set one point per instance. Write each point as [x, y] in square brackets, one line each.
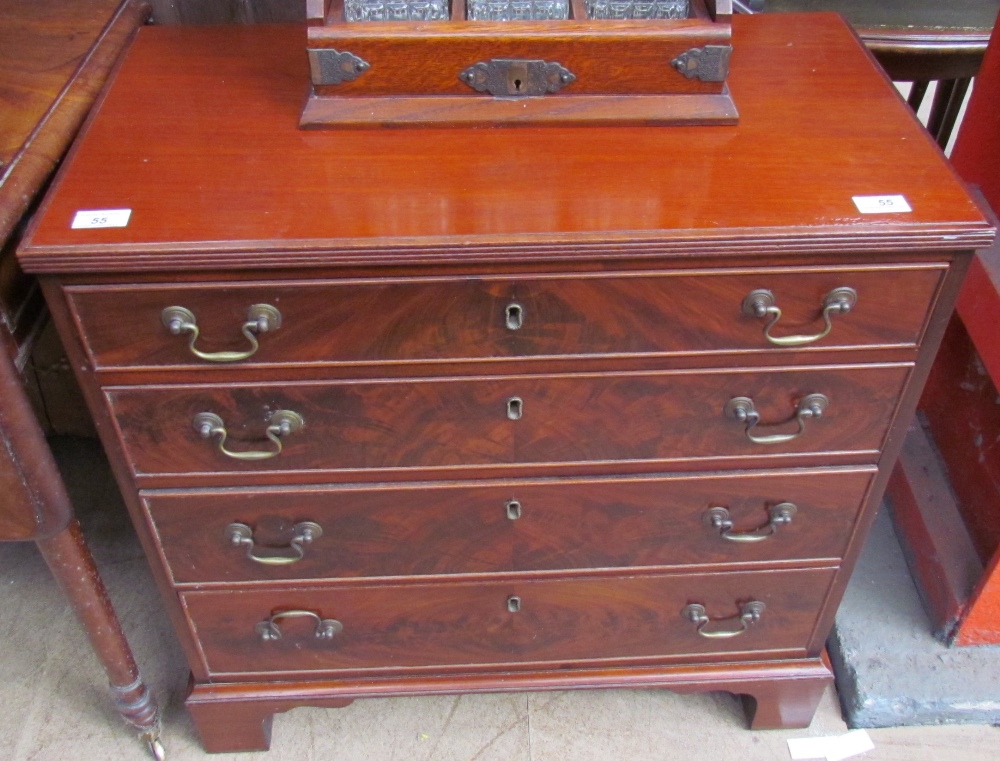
[515, 408]
[513, 509]
[517, 77]
[514, 316]
[514, 604]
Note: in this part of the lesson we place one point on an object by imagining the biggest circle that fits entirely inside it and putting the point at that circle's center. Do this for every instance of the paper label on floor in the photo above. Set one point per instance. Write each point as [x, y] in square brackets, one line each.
[881, 204]
[838, 748]
[101, 218]
[852, 744]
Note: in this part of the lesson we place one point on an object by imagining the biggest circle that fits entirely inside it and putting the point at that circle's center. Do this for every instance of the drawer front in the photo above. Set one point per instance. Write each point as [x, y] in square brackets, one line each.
[472, 624]
[461, 423]
[428, 319]
[428, 529]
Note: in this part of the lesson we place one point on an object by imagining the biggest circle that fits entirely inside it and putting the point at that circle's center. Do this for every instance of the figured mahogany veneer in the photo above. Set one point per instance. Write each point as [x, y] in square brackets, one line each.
[461, 624]
[456, 424]
[598, 405]
[429, 530]
[443, 319]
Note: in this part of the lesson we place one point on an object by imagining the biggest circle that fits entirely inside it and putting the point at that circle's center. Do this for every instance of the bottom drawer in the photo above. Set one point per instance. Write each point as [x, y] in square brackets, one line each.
[476, 624]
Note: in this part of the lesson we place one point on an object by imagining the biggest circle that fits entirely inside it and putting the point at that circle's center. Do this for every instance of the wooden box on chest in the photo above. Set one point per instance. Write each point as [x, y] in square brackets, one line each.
[403, 412]
[488, 62]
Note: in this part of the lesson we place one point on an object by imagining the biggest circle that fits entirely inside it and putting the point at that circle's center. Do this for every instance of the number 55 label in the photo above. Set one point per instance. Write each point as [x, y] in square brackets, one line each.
[881, 204]
[101, 218]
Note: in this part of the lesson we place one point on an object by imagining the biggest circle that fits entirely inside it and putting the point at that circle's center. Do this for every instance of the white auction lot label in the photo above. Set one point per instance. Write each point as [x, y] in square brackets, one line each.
[101, 218]
[881, 204]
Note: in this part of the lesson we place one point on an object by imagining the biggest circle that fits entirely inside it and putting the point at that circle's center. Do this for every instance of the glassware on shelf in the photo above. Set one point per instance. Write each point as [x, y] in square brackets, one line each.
[517, 10]
[637, 9]
[397, 10]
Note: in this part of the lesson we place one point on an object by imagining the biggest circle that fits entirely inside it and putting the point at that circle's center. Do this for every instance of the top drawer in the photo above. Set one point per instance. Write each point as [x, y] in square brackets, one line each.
[406, 320]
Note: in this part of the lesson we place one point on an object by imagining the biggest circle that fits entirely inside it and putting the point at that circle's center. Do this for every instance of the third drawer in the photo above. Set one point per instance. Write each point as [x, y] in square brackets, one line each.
[429, 529]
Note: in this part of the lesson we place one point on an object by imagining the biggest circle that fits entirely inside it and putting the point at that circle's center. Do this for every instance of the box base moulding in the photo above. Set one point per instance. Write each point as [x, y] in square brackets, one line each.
[418, 111]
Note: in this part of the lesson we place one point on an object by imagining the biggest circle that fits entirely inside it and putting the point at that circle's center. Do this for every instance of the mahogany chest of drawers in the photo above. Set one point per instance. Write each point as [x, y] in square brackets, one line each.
[421, 411]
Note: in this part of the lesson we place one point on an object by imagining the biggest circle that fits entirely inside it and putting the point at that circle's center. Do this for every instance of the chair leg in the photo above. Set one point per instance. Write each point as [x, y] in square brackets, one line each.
[944, 113]
[917, 93]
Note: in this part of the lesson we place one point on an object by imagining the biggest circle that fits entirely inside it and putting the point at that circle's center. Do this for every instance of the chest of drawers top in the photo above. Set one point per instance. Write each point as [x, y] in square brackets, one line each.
[228, 182]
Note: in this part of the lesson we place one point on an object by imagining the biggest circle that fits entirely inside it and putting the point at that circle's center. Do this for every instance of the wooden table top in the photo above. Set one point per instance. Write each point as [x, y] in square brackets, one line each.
[198, 138]
[42, 44]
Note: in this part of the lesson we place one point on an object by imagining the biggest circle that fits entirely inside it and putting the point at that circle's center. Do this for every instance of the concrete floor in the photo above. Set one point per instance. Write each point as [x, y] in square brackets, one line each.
[55, 705]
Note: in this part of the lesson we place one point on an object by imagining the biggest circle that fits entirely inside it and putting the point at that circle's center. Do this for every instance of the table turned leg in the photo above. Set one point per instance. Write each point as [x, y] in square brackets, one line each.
[73, 568]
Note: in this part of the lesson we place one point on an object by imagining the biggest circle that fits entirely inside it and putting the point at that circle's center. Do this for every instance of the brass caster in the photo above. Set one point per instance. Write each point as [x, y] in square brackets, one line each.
[155, 746]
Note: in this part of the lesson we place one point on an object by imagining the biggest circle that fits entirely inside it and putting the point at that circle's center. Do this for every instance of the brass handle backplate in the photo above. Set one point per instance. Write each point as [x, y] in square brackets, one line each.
[779, 515]
[282, 423]
[761, 303]
[241, 535]
[742, 409]
[260, 319]
[750, 613]
[326, 628]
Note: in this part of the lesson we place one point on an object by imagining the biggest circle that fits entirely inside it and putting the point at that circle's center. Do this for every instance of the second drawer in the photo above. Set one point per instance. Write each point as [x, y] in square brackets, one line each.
[517, 423]
[429, 529]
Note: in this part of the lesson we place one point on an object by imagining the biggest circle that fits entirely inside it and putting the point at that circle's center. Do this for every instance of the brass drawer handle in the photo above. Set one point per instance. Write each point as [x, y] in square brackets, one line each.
[741, 409]
[326, 628]
[514, 316]
[780, 515]
[241, 535]
[282, 423]
[761, 303]
[514, 604]
[260, 319]
[515, 408]
[750, 613]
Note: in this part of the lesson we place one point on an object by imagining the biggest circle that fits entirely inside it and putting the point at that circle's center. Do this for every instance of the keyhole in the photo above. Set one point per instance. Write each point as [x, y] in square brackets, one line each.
[513, 509]
[515, 408]
[517, 85]
[515, 316]
[514, 604]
